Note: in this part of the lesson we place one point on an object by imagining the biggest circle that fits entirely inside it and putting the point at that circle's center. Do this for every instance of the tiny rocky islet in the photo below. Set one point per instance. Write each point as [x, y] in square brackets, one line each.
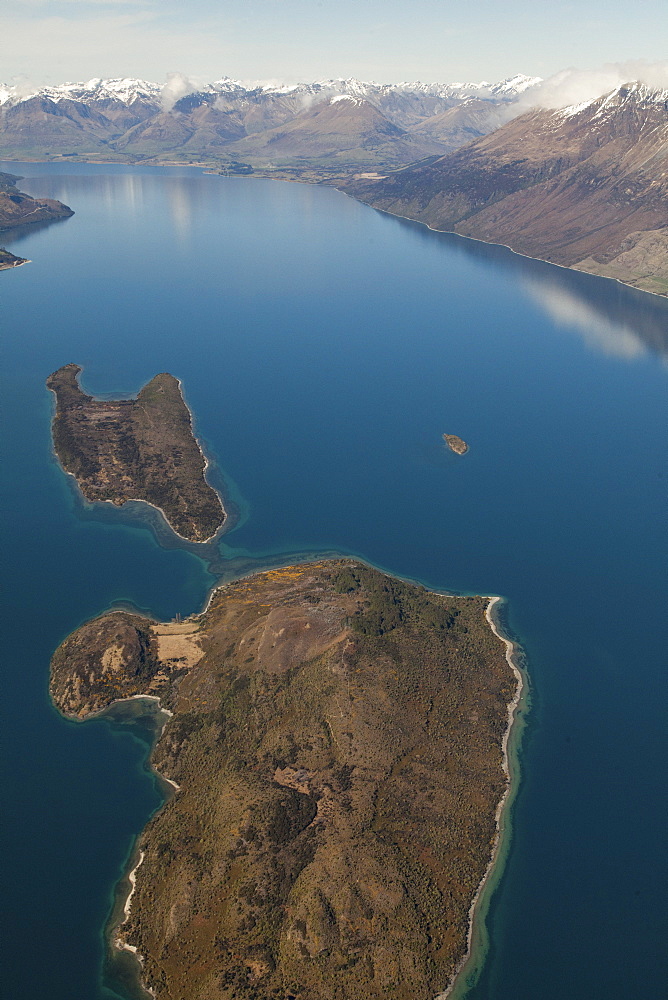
[337, 737]
[456, 444]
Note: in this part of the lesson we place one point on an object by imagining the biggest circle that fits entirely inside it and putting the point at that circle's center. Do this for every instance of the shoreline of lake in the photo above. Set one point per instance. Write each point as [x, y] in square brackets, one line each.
[477, 939]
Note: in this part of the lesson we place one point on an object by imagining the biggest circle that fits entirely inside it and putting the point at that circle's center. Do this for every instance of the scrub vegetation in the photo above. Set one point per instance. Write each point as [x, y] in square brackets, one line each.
[136, 449]
[337, 739]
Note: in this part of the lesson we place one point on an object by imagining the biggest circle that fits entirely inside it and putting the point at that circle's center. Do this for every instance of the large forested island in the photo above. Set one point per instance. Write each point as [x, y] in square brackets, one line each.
[337, 739]
[136, 449]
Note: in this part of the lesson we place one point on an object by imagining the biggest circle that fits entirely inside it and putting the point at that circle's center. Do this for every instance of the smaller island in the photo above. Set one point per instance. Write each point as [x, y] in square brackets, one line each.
[456, 444]
[8, 259]
[136, 449]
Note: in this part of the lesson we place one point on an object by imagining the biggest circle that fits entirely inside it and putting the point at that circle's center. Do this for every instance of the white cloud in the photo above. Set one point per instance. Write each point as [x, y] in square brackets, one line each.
[84, 3]
[23, 86]
[176, 87]
[576, 86]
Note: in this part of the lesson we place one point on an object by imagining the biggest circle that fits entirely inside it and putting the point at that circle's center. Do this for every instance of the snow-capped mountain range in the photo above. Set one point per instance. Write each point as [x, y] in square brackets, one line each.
[328, 128]
[128, 90]
[222, 122]
[583, 185]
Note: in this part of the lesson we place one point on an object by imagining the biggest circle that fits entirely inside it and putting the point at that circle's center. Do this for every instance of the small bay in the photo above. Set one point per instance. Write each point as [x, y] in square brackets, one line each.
[324, 348]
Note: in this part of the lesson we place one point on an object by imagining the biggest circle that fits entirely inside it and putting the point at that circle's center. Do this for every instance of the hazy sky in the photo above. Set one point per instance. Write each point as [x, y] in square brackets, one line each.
[50, 41]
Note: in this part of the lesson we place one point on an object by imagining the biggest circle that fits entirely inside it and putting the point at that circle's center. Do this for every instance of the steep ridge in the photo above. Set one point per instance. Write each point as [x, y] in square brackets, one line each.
[583, 186]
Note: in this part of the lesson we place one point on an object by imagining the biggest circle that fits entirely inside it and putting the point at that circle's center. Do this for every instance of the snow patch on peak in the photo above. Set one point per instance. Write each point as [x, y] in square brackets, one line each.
[516, 84]
[624, 94]
[574, 109]
[357, 101]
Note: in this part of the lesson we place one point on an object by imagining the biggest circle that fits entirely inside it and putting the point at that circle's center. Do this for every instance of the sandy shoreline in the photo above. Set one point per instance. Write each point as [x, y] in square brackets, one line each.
[475, 915]
[119, 943]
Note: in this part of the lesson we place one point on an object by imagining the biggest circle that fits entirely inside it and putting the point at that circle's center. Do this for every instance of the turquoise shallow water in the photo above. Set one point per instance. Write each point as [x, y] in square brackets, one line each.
[324, 348]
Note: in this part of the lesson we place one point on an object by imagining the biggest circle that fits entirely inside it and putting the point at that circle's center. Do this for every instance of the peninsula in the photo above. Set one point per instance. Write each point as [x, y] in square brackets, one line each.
[456, 444]
[19, 209]
[136, 449]
[337, 740]
[8, 259]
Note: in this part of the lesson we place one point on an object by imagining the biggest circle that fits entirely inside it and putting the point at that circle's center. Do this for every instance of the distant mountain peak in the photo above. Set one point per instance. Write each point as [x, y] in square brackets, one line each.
[347, 98]
[626, 94]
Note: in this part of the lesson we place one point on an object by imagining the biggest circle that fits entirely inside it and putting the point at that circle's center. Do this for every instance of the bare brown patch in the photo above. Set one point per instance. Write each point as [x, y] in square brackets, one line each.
[178, 642]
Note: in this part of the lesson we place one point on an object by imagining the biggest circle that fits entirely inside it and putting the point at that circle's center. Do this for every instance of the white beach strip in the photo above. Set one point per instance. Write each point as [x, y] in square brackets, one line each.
[511, 650]
[148, 503]
[132, 878]
[169, 781]
[119, 943]
[207, 463]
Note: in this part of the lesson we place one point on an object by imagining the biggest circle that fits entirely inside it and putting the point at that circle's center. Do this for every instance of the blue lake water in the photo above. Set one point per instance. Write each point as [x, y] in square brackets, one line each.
[324, 348]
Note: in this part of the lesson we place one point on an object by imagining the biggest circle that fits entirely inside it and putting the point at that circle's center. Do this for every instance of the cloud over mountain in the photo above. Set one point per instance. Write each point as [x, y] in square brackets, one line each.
[579, 86]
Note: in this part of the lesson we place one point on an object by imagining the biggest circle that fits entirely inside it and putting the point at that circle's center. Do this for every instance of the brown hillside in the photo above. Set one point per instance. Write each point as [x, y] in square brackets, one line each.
[580, 188]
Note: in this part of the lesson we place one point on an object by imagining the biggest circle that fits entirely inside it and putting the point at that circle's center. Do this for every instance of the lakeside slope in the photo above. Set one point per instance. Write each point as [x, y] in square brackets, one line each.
[338, 739]
[582, 187]
[18, 209]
